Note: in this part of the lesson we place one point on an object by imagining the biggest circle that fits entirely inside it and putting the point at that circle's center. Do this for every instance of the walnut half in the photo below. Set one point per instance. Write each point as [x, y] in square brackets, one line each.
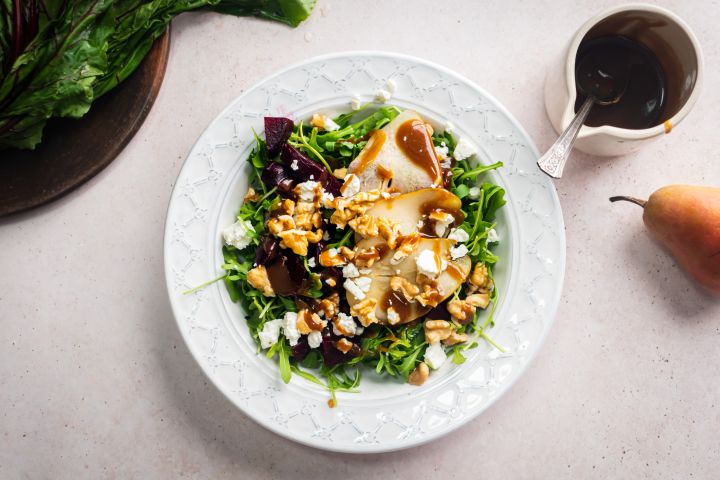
[419, 375]
[258, 278]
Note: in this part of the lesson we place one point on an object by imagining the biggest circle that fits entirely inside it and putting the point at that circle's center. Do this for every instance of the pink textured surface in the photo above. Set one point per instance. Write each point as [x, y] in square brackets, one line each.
[95, 381]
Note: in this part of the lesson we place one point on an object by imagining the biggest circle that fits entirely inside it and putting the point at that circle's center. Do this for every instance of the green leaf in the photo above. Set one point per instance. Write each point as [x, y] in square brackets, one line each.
[84, 48]
[285, 371]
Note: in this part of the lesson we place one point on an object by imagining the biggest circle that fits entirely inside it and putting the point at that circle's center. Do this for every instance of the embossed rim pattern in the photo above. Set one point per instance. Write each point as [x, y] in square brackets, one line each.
[385, 416]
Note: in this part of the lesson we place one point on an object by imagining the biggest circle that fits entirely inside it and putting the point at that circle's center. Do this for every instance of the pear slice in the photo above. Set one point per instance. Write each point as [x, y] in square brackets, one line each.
[384, 269]
[400, 155]
[409, 208]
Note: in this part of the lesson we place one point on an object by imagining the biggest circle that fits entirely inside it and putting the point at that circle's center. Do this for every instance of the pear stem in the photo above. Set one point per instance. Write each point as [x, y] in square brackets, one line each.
[634, 200]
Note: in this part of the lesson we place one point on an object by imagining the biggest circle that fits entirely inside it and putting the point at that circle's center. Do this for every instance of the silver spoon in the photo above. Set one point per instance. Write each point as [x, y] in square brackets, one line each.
[601, 88]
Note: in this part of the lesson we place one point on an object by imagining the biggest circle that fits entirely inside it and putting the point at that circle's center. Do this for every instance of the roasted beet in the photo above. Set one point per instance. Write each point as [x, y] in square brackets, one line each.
[333, 185]
[276, 175]
[314, 251]
[334, 273]
[333, 356]
[286, 273]
[267, 251]
[277, 132]
[307, 168]
[301, 349]
[440, 312]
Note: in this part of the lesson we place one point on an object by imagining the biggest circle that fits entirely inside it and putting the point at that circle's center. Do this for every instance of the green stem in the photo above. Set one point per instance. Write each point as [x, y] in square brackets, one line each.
[203, 285]
[307, 145]
[477, 171]
[491, 342]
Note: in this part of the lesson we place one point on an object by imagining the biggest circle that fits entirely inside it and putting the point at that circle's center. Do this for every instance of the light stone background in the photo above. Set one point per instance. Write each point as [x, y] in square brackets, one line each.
[95, 381]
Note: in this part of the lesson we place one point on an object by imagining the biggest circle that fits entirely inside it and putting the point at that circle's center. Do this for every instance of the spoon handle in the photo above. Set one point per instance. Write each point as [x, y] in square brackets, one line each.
[553, 162]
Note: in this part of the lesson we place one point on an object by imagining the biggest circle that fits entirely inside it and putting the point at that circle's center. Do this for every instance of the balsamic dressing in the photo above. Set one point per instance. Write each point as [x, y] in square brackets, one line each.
[642, 103]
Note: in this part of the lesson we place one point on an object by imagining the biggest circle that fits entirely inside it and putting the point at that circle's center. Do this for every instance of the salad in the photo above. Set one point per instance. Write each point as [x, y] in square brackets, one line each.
[364, 242]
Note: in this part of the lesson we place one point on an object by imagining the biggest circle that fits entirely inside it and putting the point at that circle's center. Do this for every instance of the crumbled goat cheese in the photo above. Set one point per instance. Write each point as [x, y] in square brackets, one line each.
[294, 165]
[352, 288]
[427, 264]
[270, 333]
[464, 149]
[442, 224]
[311, 262]
[355, 103]
[359, 330]
[435, 356]
[442, 151]
[392, 316]
[391, 85]
[238, 234]
[382, 96]
[449, 127]
[474, 192]
[363, 283]
[459, 235]
[351, 187]
[290, 330]
[459, 251]
[365, 271]
[307, 191]
[314, 339]
[327, 198]
[326, 235]
[330, 125]
[492, 236]
[350, 271]
[446, 164]
[346, 323]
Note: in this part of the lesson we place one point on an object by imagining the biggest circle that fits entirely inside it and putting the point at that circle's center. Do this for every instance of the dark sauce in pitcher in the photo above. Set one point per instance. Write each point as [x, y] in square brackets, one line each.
[641, 105]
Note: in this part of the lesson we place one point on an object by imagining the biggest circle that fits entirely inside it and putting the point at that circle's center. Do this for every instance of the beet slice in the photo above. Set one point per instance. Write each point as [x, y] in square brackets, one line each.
[331, 272]
[267, 251]
[333, 185]
[286, 273]
[314, 251]
[277, 132]
[276, 175]
[301, 349]
[333, 356]
[440, 312]
[307, 168]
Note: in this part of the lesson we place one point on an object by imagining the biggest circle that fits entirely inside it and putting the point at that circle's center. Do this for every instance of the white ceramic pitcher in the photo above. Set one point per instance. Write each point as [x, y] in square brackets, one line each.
[676, 48]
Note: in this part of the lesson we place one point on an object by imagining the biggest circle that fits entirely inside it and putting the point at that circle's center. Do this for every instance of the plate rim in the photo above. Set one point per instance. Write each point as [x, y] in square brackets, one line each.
[552, 305]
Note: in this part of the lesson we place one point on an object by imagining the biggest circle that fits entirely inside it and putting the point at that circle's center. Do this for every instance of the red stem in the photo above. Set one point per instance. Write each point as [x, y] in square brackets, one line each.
[17, 31]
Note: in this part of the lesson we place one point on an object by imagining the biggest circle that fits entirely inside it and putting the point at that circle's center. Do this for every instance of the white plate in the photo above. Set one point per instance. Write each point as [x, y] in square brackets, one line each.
[386, 415]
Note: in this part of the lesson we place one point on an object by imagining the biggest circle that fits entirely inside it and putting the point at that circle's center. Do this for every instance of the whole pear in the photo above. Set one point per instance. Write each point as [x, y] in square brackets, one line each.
[686, 220]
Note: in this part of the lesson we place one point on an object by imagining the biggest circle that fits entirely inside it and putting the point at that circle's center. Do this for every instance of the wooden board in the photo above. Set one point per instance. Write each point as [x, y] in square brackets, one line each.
[73, 151]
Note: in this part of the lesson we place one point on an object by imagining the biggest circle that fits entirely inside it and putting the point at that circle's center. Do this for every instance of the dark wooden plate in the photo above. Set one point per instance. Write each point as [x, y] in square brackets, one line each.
[73, 151]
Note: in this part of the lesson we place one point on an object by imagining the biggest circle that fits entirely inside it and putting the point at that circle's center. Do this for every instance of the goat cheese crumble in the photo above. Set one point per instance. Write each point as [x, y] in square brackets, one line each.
[464, 149]
[492, 236]
[435, 355]
[290, 330]
[459, 251]
[307, 190]
[459, 235]
[270, 333]
[346, 323]
[314, 339]
[238, 234]
[427, 264]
